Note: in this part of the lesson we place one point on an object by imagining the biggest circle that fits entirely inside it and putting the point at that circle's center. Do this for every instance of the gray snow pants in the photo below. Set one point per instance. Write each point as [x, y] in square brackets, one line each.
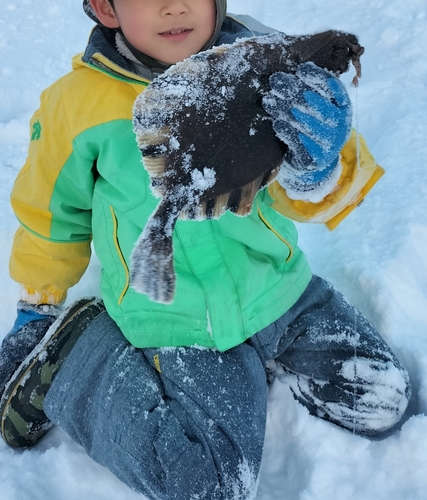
[189, 423]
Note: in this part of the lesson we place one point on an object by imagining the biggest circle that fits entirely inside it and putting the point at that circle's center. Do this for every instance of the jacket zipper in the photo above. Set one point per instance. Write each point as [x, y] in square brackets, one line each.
[286, 242]
[119, 253]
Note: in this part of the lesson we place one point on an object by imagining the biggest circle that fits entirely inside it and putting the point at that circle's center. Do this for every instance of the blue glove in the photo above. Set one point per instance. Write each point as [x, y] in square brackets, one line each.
[31, 324]
[312, 115]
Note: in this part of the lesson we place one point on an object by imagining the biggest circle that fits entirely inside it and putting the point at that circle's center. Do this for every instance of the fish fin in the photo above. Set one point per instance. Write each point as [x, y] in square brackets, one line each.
[153, 147]
[220, 49]
[215, 207]
[212, 208]
[234, 200]
[249, 191]
[156, 167]
[153, 144]
[238, 201]
[151, 270]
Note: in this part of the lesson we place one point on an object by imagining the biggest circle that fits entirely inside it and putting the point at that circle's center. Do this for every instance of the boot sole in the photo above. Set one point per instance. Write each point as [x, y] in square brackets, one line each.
[23, 421]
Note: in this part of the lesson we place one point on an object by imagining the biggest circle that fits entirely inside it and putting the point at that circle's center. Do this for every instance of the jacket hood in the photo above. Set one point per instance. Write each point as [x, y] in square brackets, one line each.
[221, 10]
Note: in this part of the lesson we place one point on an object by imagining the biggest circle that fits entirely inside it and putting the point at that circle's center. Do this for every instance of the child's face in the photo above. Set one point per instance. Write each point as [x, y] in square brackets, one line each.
[166, 30]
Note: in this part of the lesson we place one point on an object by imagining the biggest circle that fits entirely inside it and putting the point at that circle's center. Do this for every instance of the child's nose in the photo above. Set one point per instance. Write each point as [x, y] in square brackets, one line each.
[174, 7]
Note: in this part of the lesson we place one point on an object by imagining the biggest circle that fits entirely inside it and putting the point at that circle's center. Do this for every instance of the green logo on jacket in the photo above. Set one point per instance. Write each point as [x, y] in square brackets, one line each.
[36, 131]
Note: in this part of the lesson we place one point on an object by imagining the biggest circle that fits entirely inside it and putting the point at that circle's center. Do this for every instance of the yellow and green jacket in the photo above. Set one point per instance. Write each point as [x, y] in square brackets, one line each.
[84, 182]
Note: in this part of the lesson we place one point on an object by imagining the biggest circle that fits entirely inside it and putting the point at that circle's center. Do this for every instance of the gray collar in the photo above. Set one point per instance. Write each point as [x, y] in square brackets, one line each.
[142, 64]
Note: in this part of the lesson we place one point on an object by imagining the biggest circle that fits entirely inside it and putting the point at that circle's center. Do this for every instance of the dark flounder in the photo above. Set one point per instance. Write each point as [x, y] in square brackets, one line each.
[207, 142]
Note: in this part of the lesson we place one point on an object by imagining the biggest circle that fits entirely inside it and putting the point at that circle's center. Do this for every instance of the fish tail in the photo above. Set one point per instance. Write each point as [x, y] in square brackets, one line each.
[152, 271]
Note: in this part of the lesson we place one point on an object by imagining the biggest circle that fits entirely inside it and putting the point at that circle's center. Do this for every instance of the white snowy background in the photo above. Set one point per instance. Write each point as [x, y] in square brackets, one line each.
[377, 257]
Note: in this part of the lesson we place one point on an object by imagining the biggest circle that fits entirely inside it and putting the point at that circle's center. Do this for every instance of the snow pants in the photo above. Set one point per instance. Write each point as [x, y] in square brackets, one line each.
[188, 423]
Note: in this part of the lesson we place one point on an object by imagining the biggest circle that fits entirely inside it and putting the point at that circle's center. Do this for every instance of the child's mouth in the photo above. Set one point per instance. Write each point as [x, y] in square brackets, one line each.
[177, 34]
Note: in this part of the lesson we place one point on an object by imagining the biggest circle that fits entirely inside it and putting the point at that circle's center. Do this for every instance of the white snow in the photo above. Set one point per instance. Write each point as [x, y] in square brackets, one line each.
[377, 256]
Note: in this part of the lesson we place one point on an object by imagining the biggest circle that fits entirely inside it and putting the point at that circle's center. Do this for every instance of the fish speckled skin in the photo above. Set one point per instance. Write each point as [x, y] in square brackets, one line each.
[207, 142]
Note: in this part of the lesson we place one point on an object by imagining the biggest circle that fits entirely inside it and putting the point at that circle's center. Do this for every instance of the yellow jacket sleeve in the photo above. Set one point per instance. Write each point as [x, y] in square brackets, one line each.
[357, 178]
[30, 260]
[44, 260]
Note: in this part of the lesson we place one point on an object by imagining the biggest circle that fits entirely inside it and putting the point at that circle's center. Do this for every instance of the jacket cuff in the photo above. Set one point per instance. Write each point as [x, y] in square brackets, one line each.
[48, 295]
[357, 178]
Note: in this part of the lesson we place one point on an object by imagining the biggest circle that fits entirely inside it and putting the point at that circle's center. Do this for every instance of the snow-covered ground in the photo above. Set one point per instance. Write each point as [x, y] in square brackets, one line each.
[377, 256]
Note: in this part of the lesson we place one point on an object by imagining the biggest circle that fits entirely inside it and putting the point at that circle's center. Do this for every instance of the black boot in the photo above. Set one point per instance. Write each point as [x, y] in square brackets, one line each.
[23, 421]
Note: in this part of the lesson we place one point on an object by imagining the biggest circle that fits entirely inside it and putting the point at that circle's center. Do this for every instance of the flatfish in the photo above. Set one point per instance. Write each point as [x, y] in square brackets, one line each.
[206, 141]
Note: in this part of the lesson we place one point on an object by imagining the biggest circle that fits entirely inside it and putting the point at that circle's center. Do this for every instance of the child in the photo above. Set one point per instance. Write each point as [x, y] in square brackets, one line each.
[172, 398]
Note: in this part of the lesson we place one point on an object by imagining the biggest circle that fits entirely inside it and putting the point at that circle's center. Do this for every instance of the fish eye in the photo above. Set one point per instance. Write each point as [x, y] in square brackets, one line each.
[339, 50]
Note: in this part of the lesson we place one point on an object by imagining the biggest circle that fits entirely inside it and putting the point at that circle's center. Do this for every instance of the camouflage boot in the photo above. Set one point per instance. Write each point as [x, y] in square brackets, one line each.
[23, 421]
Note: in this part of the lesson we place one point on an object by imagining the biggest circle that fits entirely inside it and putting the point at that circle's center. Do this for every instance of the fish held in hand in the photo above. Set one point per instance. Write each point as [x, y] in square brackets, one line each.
[207, 142]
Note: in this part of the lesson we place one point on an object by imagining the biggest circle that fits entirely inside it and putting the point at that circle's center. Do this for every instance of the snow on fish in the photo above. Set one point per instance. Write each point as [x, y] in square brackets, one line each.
[208, 144]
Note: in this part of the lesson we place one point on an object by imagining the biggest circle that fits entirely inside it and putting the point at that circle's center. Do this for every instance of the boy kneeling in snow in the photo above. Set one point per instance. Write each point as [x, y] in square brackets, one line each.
[172, 398]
